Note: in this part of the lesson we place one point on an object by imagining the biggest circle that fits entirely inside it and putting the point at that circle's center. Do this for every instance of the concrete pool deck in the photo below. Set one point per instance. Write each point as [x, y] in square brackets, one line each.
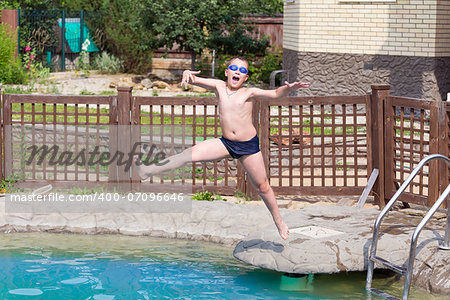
[326, 238]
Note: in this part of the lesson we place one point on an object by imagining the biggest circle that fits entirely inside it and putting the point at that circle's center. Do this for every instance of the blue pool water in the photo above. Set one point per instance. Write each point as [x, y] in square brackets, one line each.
[63, 266]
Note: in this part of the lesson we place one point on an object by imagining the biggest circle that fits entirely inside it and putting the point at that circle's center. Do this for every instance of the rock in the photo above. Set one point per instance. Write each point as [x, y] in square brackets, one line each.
[125, 81]
[137, 78]
[186, 87]
[147, 83]
[138, 86]
[113, 84]
[197, 89]
[161, 84]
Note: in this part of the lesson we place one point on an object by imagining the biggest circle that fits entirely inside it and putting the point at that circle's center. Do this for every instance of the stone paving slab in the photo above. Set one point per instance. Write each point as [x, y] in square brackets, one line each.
[346, 249]
[250, 228]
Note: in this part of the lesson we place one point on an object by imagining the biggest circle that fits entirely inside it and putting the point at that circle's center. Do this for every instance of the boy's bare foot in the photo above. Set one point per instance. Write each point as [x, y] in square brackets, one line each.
[139, 167]
[283, 230]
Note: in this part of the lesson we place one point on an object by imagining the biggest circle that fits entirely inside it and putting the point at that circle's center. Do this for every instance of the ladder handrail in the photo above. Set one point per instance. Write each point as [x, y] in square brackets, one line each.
[415, 236]
[389, 206]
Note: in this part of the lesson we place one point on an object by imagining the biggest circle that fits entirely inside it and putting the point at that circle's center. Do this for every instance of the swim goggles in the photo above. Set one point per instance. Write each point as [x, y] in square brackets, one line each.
[241, 69]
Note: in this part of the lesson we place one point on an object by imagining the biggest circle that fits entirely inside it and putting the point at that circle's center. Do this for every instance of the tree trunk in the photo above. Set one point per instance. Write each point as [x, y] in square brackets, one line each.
[193, 57]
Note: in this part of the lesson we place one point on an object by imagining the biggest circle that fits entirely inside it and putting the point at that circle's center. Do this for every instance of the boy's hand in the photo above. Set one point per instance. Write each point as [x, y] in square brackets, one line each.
[297, 85]
[188, 76]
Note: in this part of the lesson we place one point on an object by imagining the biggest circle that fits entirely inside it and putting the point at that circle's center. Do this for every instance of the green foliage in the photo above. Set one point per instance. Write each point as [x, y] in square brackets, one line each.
[12, 73]
[243, 196]
[32, 4]
[82, 64]
[125, 35]
[272, 61]
[107, 64]
[7, 89]
[267, 7]
[259, 68]
[38, 31]
[86, 92]
[10, 68]
[34, 68]
[196, 25]
[206, 196]
[7, 184]
[7, 4]
[239, 42]
[7, 45]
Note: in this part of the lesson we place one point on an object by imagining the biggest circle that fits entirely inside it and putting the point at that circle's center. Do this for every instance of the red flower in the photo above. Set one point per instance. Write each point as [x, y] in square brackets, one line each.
[31, 56]
[27, 48]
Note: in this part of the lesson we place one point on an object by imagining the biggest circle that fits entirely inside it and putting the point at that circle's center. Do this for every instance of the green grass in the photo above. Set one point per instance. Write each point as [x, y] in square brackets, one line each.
[318, 130]
[86, 92]
[206, 196]
[198, 95]
[107, 93]
[59, 110]
[7, 89]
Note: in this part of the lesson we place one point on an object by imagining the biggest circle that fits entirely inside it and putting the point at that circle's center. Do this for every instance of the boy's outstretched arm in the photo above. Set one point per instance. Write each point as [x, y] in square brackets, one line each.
[280, 92]
[207, 83]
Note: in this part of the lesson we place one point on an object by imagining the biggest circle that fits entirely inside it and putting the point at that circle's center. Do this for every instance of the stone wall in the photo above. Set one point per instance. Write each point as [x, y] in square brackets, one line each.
[352, 74]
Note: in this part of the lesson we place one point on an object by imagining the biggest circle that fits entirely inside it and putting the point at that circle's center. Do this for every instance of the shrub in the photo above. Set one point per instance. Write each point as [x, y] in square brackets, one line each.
[206, 196]
[107, 64]
[271, 62]
[259, 68]
[34, 68]
[10, 69]
[126, 36]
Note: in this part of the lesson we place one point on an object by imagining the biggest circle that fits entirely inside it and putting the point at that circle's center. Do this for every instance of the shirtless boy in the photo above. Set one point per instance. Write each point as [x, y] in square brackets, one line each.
[239, 138]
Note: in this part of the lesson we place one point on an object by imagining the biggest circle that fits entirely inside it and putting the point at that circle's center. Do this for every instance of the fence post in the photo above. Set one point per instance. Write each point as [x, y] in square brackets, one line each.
[265, 134]
[7, 136]
[438, 174]
[124, 135]
[444, 146]
[376, 117]
[113, 119]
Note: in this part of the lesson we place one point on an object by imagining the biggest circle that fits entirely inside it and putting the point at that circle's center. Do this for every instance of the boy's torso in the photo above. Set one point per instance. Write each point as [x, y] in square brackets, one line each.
[235, 113]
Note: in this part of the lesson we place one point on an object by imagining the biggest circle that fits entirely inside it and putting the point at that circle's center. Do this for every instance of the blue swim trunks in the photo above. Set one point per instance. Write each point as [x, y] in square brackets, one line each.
[238, 148]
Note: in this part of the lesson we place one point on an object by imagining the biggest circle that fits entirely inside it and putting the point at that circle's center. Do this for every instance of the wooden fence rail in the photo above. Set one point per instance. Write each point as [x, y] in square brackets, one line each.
[311, 145]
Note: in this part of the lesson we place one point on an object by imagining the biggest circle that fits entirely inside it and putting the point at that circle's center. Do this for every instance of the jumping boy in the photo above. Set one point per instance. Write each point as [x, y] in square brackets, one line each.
[240, 139]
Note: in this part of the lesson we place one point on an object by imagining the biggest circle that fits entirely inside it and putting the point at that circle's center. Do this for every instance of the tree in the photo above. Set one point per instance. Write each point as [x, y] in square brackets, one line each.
[194, 24]
[265, 7]
[121, 30]
[126, 36]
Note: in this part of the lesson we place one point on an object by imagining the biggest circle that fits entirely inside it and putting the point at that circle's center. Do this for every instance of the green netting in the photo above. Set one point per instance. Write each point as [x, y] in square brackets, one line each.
[73, 37]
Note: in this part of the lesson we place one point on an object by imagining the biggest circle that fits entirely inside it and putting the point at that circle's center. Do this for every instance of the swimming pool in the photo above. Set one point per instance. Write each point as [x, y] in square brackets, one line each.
[69, 266]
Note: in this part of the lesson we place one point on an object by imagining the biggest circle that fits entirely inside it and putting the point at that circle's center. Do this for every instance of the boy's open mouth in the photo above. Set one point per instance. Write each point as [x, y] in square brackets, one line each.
[235, 79]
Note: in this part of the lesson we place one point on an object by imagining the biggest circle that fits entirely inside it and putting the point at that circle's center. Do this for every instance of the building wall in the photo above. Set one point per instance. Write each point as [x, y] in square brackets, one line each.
[407, 27]
[343, 47]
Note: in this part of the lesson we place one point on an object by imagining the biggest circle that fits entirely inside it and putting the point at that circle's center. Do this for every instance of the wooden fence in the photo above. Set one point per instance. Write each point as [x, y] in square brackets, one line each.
[311, 145]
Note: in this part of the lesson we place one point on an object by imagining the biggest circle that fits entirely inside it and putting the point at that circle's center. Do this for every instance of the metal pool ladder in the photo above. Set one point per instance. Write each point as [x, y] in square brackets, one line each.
[406, 271]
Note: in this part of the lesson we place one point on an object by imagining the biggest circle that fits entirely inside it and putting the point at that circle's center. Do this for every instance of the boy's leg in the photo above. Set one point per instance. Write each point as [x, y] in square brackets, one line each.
[208, 150]
[254, 165]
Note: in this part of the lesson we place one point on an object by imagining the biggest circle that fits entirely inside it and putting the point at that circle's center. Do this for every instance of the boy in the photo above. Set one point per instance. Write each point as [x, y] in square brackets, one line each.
[239, 138]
